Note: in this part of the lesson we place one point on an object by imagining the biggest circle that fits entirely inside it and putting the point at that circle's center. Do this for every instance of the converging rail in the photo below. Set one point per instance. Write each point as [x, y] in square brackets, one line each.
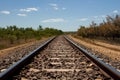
[18, 65]
[112, 72]
[57, 60]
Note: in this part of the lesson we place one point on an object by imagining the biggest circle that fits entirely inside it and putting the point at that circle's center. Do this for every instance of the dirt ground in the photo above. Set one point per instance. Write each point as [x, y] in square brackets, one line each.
[110, 50]
[6, 51]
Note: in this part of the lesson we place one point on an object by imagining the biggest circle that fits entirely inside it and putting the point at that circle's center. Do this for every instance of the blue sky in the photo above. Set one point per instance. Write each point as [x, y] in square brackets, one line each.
[66, 15]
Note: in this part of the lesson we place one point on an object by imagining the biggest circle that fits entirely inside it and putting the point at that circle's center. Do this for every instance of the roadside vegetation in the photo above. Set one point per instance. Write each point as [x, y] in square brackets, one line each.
[107, 30]
[14, 35]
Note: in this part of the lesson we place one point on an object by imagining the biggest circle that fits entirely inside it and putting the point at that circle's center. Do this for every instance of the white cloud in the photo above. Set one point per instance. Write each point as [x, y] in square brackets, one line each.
[5, 12]
[98, 17]
[53, 20]
[63, 8]
[21, 14]
[95, 17]
[115, 11]
[83, 19]
[29, 9]
[52, 4]
[103, 16]
[56, 7]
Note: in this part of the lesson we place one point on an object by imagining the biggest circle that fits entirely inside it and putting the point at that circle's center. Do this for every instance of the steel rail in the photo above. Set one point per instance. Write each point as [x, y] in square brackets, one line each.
[6, 75]
[112, 72]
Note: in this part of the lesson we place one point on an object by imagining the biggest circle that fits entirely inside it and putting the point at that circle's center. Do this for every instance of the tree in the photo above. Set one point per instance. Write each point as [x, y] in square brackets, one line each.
[12, 38]
[108, 29]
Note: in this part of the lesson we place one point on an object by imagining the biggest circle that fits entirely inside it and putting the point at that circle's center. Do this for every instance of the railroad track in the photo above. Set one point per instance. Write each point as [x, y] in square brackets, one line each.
[60, 59]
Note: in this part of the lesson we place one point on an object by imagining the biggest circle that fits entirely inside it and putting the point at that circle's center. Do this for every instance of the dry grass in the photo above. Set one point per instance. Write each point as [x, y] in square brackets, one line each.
[104, 48]
[6, 51]
[6, 43]
[114, 47]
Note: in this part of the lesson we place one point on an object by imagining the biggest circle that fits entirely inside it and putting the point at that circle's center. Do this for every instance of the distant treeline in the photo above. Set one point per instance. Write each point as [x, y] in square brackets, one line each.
[14, 33]
[109, 29]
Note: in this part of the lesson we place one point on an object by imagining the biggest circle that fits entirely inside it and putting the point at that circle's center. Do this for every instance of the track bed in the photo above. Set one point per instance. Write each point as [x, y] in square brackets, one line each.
[60, 61]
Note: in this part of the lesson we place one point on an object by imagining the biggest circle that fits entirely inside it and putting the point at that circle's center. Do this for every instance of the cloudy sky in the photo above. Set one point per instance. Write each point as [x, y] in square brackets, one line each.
[66, 15]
